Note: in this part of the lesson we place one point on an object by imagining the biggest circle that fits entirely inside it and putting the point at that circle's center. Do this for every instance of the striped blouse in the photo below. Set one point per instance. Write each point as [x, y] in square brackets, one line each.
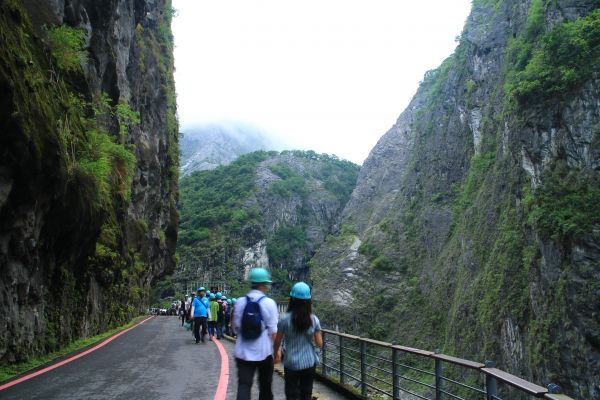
[299, 352]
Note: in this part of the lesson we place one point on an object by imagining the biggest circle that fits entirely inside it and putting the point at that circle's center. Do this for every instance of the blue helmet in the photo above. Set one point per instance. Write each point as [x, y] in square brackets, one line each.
[201, 289]
[300, 291]
[229, 301]
[259, 275]
[212, 296]
[219, 295]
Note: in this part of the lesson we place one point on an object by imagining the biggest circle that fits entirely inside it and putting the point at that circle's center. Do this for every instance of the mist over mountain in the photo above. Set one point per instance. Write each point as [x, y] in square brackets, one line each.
[206, 146]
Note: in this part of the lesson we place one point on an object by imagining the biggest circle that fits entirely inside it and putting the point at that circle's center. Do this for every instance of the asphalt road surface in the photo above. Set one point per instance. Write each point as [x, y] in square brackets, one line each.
[156, 360]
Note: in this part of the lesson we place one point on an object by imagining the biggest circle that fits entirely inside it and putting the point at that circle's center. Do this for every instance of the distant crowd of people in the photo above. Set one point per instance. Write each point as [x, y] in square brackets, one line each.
[211, 311]
[263, 339]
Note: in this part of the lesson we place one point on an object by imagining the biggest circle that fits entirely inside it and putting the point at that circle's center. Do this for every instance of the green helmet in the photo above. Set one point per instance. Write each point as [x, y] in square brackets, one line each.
[300, 291]
[259, 275]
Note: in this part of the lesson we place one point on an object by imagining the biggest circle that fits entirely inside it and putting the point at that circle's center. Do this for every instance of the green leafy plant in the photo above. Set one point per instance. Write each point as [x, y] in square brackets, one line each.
[567, 204]
[126, 117]
[565, 58]
[67, 47]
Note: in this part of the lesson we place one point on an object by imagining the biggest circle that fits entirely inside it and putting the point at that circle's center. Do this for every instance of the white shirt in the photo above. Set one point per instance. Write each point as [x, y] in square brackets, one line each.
[261, 348]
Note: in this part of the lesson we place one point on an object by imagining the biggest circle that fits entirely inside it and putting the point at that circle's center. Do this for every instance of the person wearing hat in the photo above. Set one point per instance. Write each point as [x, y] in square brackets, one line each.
[300, 328]
[231, 330]
[212, 318]
[200, 313]
[220, 315]
[228, 317]
[255, 322]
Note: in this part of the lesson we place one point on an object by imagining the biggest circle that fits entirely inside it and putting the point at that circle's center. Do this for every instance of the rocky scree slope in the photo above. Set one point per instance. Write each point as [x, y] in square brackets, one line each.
[475, 223]
[265, 209]
[88, 167]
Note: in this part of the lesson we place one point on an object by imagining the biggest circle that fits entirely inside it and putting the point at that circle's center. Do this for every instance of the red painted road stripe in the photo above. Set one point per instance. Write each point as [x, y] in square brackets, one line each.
[221, 393]
[68, 360]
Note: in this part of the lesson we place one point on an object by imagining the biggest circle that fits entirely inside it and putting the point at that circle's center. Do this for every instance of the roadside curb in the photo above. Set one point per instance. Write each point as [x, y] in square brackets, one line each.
[67, 358]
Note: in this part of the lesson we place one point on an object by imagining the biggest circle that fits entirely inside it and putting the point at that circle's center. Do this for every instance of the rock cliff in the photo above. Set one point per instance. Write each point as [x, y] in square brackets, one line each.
[265, 209]
[88, 167]
[475, 223]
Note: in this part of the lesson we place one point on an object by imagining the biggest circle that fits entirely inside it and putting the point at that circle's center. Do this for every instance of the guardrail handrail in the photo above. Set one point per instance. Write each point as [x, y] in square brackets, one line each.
[350, 364]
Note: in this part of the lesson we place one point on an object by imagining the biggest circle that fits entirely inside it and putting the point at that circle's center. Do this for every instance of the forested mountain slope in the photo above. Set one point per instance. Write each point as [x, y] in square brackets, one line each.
[265, 209]
[475, 223]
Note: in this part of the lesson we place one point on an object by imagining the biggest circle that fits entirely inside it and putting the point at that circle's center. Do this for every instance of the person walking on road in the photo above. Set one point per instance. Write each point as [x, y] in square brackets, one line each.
[182, 310]
[212, 321]
[299, 328]
[233, 334]
[200, 314]
[255, 321]
[189, 317]
[220, 315]
[228, 314]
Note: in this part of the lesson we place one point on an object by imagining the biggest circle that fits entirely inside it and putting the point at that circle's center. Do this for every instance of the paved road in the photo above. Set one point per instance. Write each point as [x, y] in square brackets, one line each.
[156, 360]
[153, 361]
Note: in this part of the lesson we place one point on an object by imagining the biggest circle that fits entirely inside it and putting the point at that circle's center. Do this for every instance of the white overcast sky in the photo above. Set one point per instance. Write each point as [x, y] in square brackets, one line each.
[327, 75]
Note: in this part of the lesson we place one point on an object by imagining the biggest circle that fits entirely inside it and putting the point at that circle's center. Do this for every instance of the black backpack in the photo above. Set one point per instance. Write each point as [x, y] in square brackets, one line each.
[221, 313]
[252, 319]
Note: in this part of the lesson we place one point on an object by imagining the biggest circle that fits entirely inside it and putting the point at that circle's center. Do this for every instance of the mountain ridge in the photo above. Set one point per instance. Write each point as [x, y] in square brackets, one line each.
[207, 146]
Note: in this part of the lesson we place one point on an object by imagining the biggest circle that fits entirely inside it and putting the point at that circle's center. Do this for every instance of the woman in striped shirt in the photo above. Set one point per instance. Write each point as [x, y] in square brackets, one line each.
[298, 329]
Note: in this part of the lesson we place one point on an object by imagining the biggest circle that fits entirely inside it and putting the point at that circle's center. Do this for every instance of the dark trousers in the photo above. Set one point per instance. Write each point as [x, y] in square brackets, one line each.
[211, 327]
[227, 326]
[199, 322]
[246, 377]
[299, 383]
[219, 327]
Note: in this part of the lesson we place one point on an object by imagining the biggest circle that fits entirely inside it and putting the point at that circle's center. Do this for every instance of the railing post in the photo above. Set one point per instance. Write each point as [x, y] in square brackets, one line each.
[363, 367]
[438, 377]
[491, 384]
[341, 348]
[323, 353]
[395, 374]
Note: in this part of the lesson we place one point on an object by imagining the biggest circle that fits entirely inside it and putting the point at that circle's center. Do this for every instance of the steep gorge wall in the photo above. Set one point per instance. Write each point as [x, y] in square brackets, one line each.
[475, 223]
[265, 209]
[88, 167]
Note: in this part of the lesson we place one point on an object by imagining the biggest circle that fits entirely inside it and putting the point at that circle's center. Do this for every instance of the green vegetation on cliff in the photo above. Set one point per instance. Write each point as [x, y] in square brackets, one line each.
[485, 246]
[555, 63]
[262, 197]
[567, 204]
[211, 202]
[70, 156]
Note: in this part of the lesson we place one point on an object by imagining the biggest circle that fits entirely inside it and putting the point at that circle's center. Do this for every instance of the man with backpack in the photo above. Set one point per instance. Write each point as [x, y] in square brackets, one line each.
[200, 314]
[255, 322]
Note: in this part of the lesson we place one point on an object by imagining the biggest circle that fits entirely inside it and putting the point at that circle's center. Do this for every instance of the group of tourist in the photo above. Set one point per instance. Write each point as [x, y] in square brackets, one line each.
[263, 339]
[213, 312]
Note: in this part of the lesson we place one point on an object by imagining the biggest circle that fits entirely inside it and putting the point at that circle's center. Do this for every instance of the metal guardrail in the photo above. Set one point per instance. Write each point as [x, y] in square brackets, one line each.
[383, 370]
